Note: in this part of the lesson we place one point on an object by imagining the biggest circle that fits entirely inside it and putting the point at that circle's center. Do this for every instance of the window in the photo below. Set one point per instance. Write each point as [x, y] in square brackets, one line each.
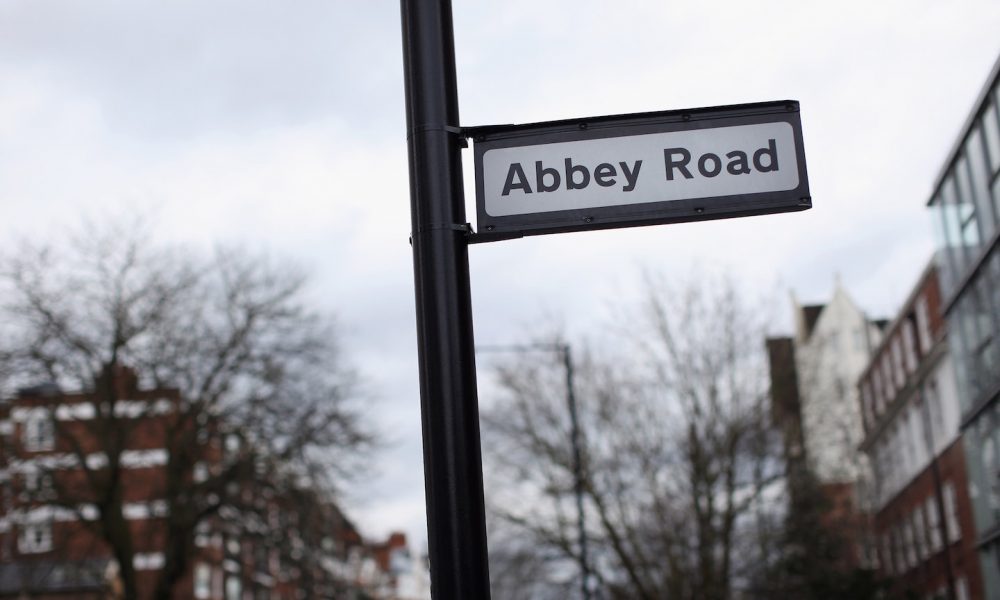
[991, 129]
[980, 183]
[918, 438]
[261, 557]
[962, 230]
[200, 472]
[996, 194]
[961, 589]
[888, 463]
[37, 483]
[877, 391]
[898, 551]
[202, 534]
[879, 398]
[887, 380]
[951, 513]
[911, 461]
[946, 257]
[933, 525]
[866, 404]
[31, 479]
[909, 346]
[234, 588]
[217, 583]
[887, 555]
[908, 544]
[232, 445]
[867, 551]
[833, 341]
[858, 335]
[960, 215]
[897, 363]
[39, 434]
[935, 419]
[881, 479]
[994, 276]
[901, 548]
[970, 220]
[988, 455]
[919, 534]
[924, 325]
[893, 458]
[977, 329]
[35, 537]
[202, 581]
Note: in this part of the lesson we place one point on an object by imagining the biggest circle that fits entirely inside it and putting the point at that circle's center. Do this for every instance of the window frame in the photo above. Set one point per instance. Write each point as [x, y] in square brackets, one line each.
[202, 581]
[933, 517]
[952, 522]
[35, 537]
[38, 432]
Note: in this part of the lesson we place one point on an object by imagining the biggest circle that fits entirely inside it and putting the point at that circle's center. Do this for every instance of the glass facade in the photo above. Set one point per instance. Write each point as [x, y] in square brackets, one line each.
[966, 210]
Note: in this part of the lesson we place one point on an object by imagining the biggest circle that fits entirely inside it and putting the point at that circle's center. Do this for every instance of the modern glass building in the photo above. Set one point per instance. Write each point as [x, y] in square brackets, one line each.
[966, 208]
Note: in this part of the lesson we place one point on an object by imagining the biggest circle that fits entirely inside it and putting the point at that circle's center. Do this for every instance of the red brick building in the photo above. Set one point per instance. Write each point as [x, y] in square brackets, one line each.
[293, 544]
[923, 523]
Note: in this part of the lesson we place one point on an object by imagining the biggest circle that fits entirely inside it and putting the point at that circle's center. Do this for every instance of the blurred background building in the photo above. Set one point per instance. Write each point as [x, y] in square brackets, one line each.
[922, 518]
[899, 422]
[815, 404]
[966, 207]
[48, 548]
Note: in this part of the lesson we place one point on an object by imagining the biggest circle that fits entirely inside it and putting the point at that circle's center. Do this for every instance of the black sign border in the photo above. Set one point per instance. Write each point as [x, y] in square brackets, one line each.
[647, 213]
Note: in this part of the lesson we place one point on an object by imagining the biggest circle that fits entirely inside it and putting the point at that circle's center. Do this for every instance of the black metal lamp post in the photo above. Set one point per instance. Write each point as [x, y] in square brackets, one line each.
[453, 475]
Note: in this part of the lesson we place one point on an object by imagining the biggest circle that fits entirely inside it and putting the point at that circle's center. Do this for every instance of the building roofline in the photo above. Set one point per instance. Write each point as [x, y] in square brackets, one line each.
[956, 147]
[890, 327]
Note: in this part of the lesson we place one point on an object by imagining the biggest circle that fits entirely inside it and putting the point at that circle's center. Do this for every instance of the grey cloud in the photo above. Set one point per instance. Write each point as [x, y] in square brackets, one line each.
[180, 68]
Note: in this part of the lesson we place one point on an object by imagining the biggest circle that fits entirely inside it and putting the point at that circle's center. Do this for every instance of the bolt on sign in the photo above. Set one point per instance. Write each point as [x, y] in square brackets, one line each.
[639, 169]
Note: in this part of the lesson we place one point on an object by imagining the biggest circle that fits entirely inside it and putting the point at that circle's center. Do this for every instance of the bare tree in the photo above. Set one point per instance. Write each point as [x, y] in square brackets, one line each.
[520, 567]
[682, 467]
[263, 399]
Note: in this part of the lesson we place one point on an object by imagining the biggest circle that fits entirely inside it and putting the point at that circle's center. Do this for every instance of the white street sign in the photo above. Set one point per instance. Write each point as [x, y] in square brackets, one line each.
[640, 169]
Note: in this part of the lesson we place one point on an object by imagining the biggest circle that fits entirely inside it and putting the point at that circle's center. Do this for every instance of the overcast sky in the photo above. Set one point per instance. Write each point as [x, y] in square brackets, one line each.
[280, 126]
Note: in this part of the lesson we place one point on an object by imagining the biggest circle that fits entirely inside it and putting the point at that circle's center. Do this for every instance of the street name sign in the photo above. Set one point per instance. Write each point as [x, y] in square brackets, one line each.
[639, 169]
